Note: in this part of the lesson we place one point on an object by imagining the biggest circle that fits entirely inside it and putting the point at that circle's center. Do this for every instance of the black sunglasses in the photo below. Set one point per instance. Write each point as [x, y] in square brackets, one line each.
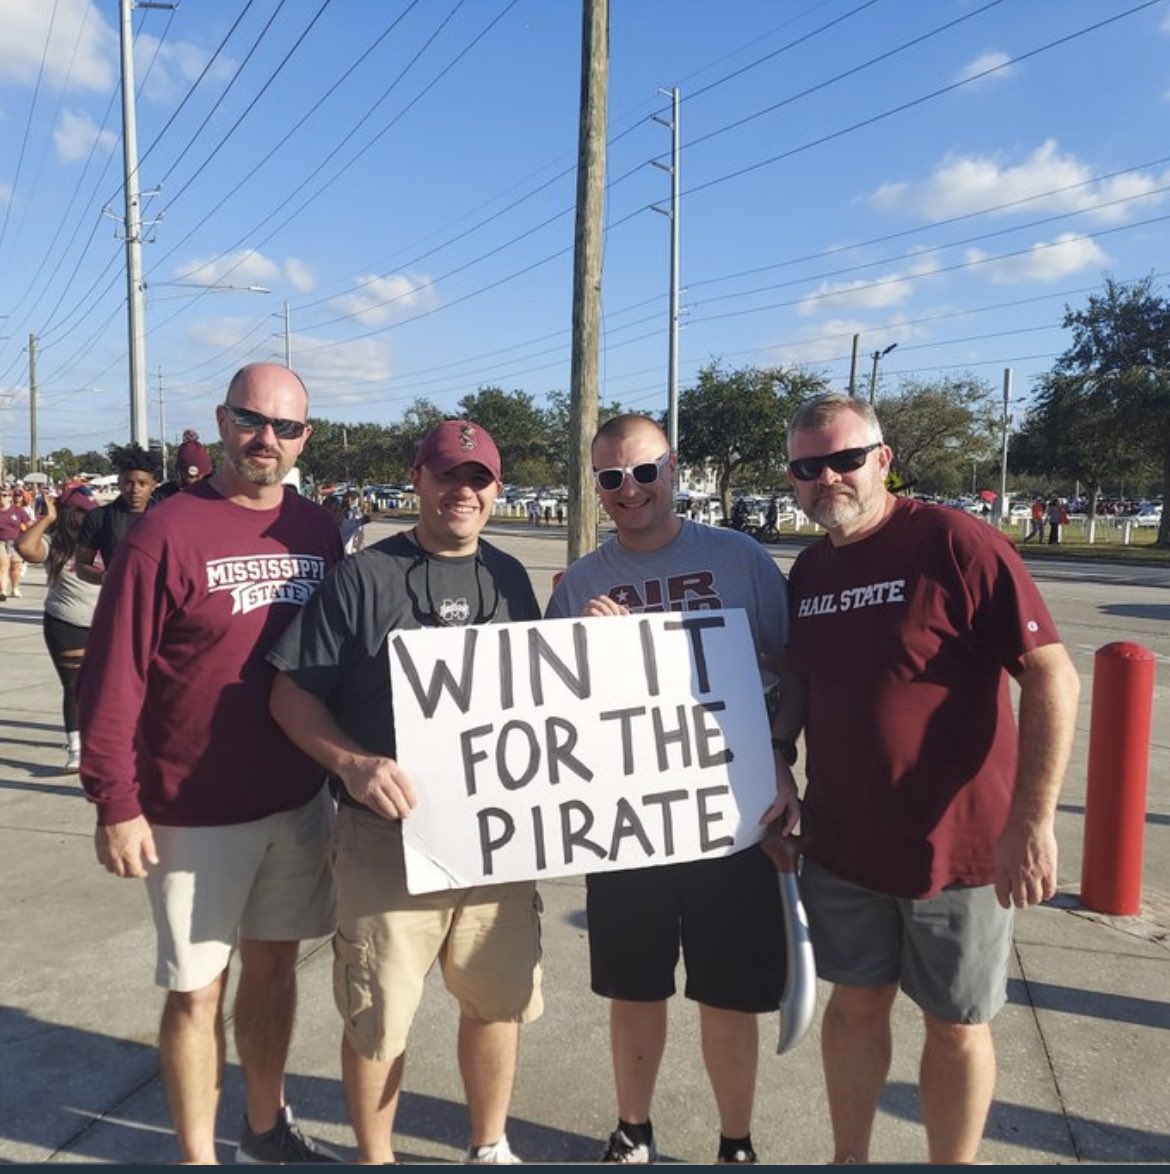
[254, 422]
[644, 474]
[848, 460]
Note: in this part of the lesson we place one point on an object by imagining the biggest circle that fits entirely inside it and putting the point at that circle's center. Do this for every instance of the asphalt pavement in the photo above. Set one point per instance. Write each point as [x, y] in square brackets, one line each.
[1083, 1044]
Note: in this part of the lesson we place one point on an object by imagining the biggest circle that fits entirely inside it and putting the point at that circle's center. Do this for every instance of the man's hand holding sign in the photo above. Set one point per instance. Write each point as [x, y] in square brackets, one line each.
[576, 746]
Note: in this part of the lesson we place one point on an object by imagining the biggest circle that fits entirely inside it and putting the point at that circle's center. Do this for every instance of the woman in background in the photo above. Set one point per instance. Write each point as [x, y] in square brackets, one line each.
[70, 600]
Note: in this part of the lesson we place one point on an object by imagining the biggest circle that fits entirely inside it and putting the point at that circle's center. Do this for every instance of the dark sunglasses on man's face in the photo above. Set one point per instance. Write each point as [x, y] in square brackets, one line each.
[254, 422]
[644, 474]
[848, 460]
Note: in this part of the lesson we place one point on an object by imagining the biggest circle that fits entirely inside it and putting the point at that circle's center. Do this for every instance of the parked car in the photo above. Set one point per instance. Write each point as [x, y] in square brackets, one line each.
[1147, 515]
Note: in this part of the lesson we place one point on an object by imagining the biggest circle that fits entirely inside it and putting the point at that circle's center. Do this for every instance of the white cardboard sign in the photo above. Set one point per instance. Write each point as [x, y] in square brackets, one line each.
[561, 747]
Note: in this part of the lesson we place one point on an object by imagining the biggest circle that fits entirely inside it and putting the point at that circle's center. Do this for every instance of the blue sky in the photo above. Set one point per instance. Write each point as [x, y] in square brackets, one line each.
[946, 176]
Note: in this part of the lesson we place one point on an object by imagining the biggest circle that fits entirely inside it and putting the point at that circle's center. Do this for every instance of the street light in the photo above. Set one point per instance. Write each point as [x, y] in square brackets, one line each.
[190, 287]
[877, 356]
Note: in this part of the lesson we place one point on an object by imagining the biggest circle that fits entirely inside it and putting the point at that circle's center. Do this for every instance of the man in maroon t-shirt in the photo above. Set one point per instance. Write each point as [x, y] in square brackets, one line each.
[197, 789]
[926, 815]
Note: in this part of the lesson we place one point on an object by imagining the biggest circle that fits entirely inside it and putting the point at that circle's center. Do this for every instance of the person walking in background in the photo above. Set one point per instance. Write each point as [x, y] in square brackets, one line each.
[723, 913]
[52, 540]
[106, 527]
[196, 788]
[11, 524]
[927, 816]
[1057, 518]
[332, 696]
[1039, 510]
[192, 465]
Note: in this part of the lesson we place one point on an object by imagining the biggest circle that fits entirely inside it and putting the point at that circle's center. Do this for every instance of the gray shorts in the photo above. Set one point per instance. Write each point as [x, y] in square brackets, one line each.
[949, 953]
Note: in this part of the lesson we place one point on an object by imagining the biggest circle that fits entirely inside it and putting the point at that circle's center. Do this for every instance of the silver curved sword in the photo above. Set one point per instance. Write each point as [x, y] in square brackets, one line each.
[798, 1003]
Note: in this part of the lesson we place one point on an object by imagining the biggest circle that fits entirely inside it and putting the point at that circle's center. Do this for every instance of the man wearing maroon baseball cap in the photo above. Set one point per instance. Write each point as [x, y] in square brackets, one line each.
[455, 442]
[332, 698]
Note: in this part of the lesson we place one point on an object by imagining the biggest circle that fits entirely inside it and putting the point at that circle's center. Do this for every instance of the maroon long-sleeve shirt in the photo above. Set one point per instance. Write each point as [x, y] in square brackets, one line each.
[173, 691]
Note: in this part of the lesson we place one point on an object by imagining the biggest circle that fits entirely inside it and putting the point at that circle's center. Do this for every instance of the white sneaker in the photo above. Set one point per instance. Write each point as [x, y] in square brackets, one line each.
[16, 593]
[498, 1154]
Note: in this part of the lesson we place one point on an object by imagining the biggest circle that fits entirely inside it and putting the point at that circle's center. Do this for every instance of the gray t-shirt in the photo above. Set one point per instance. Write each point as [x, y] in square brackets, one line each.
[335, 648]
[70, 599]
[700, 569]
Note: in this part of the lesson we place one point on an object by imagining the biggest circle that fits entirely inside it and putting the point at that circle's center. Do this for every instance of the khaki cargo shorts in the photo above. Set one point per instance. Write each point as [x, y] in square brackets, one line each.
[485, 939]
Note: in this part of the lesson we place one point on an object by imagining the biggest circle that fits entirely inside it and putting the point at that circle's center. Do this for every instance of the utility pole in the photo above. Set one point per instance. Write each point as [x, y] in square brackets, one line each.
[32, 403]
[1007, 420]
[287, 339]
[672, 362]
[853, 368]
[877, 357]
[162, 426]
[587, 275]
[136, 319]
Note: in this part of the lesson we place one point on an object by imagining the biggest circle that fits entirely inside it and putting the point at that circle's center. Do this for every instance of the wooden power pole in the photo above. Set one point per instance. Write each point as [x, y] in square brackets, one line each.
[587, 275]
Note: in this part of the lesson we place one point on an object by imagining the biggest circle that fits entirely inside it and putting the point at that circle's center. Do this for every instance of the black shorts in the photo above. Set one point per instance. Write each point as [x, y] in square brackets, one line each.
[724, 912]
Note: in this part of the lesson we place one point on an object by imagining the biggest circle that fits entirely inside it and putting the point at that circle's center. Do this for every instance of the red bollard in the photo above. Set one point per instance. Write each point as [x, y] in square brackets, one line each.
[1119, 761]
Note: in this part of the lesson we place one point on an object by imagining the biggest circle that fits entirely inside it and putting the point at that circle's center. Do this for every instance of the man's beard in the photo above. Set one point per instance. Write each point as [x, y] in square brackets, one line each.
[263, 474]
[837, 508]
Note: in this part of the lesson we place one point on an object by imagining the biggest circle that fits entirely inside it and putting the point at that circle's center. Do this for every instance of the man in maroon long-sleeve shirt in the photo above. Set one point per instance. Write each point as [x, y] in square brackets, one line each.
[197, 790]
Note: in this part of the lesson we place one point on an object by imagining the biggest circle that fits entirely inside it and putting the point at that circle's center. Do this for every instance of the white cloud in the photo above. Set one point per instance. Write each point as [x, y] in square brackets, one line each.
[167, 69]
[77, 23]
[299, 275]
[236, 336]
[336, 373]
[874, 293]
[75, 135]
[972, 183]
[378, 300]
[5, 192]
[984, 62]
[1045, 261]
[243, 267]
[1165, 25]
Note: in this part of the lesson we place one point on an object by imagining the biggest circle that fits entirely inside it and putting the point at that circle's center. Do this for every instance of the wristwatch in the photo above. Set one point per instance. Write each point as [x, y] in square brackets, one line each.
[787, 749]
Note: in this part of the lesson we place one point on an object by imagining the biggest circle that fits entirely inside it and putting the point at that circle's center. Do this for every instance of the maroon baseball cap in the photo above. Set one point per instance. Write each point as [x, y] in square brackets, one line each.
[193, 458]
[455, 442]
[77, 497]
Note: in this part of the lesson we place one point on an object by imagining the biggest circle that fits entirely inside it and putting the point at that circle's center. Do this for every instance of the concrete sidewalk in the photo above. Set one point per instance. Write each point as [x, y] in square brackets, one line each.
[1083, 1044]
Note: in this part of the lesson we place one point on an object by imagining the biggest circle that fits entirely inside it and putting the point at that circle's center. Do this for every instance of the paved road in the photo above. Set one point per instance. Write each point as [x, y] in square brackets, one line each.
[1082, 1042]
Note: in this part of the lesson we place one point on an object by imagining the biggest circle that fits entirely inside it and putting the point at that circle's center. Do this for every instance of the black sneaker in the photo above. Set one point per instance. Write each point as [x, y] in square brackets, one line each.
[620, 1148]
[736, 1156]
[284, 1144]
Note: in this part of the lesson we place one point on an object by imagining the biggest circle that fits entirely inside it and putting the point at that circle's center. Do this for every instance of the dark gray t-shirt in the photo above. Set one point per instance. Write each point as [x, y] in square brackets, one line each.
[335, 648]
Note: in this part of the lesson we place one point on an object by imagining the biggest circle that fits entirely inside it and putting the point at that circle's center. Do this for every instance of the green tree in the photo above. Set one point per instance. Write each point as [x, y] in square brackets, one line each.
[1110, 389]
[938, 428]
[735, 421]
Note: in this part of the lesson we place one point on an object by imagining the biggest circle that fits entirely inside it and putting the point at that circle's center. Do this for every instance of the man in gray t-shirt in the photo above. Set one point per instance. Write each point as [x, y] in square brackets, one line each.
[723, 913]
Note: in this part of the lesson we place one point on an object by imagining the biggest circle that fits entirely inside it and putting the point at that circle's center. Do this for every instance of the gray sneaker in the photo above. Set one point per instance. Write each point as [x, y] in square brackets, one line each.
[284, 1144]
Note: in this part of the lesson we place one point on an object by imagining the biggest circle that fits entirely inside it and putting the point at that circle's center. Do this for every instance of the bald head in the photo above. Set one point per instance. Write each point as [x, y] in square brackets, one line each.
[264, 374]
[628, 427]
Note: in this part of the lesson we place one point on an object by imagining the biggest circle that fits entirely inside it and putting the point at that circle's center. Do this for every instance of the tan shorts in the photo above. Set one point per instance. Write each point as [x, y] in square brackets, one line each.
[486, 939]
[267, 880]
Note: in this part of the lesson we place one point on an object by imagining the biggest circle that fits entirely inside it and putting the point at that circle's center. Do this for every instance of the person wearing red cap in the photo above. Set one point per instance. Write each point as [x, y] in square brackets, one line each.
[332, 696]
[192, 465]
[70, 600]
